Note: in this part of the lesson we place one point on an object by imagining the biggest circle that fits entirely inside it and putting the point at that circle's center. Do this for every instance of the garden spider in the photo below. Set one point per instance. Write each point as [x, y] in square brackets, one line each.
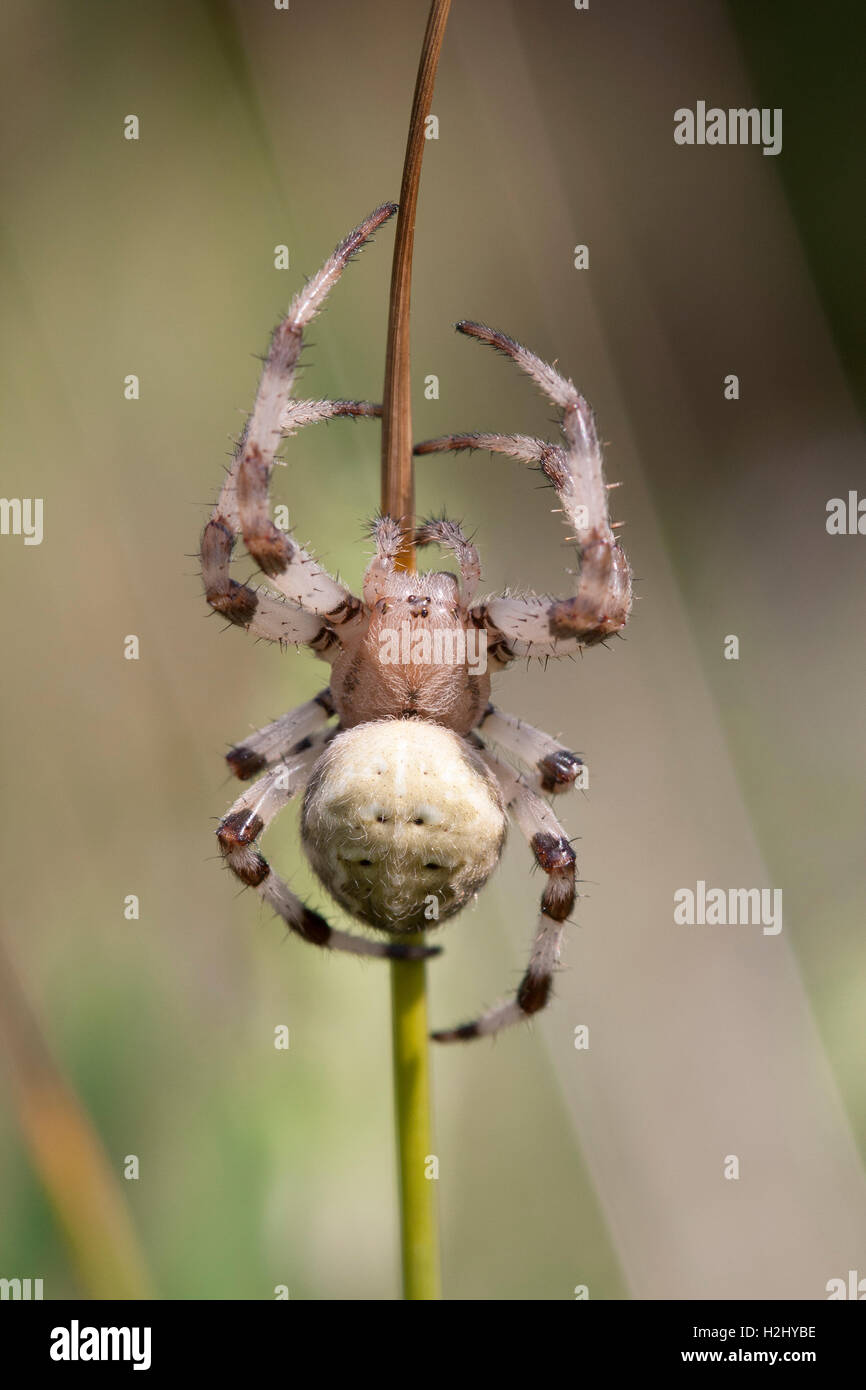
[404, 807]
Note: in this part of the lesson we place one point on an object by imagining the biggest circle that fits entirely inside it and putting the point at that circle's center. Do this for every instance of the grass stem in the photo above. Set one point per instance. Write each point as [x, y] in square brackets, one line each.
[418, 1208]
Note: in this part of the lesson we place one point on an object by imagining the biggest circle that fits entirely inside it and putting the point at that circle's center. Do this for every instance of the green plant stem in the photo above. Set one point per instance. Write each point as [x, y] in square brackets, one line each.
[419, 1235]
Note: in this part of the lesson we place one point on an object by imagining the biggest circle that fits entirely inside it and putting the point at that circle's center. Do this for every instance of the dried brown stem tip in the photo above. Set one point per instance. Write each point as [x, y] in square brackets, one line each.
[398, 491]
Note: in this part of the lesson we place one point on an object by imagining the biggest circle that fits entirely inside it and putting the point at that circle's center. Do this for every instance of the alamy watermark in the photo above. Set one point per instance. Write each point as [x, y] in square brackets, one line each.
[20, 1289]
[77, 1343]
[846, 516]
[703, 906]
[854, 1287]
[740, 125]
[22, 516]
[438, 646]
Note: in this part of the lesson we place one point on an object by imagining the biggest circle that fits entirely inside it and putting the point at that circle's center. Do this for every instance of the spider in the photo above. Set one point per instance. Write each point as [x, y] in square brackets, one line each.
[404, 806]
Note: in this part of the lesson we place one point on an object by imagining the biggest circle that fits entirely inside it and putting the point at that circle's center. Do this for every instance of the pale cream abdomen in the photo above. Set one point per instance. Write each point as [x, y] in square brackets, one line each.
[402, 822]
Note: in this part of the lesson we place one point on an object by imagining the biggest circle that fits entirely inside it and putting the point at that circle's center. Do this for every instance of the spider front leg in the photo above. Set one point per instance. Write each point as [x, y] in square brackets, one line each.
[390, 540]
[281, 738]
[554, 769]
[238, 832]
[449, 535]
[601, 605]
[317, 602]
[553, 853]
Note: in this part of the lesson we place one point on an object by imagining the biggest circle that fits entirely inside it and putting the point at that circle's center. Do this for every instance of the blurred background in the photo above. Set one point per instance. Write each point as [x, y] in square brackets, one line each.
[259, 127]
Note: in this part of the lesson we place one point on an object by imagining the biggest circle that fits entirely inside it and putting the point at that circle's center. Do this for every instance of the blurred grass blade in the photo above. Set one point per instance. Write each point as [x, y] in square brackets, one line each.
[68, 1156]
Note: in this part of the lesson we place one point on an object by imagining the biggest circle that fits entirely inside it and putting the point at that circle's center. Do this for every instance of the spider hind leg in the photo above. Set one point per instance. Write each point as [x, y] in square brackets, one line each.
[280, 738]
[238, 832]
[553, 854]
[554, 769]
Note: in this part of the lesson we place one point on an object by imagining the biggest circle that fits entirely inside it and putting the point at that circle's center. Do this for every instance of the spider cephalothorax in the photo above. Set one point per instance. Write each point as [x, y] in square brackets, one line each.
[413, 651]
[404, 805]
